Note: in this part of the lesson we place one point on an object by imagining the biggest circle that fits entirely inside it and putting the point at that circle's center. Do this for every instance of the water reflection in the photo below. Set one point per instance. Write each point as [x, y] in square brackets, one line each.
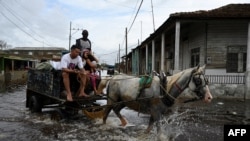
[191, 121]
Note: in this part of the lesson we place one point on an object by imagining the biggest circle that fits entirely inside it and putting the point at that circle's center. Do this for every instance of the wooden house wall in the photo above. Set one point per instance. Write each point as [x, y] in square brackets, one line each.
[192, 36]
[157, 54]
[142, 60]
[212, 37]
[222, 34]
[149, 67]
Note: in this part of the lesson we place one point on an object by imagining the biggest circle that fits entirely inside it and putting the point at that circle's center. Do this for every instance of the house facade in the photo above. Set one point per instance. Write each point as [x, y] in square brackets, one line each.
[219, 38]
[15, 62]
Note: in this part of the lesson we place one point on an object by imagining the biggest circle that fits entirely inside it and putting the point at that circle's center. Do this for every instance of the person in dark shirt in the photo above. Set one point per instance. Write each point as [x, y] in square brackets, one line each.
[84, 42]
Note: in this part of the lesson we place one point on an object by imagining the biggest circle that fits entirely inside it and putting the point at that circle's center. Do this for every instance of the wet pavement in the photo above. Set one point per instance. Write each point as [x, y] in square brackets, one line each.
[194, 121]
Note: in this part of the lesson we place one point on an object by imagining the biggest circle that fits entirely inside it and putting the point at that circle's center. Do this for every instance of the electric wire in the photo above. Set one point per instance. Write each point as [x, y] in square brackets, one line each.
[20, 27]
[135, 15]
[22, 21]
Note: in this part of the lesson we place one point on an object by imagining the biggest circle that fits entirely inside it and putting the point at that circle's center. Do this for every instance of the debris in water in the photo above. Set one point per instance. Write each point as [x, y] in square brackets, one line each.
[220, 103]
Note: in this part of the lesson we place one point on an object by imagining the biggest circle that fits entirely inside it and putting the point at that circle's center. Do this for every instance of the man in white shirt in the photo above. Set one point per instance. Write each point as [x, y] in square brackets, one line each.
[69, 64]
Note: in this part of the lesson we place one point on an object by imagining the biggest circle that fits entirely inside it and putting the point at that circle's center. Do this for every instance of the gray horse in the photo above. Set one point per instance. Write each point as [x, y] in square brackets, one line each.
[124, 90]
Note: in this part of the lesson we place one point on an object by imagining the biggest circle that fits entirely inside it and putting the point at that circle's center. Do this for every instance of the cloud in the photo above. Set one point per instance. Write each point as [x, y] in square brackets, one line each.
[47, 22]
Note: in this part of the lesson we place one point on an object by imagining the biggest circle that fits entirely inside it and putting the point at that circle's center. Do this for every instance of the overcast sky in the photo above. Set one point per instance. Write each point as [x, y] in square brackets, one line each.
[46, 23]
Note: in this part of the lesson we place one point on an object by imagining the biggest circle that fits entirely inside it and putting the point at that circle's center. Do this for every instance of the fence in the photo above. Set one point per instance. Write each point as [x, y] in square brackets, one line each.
[226, 79]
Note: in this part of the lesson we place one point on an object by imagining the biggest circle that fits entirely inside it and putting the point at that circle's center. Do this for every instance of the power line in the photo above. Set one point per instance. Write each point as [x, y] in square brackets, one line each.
[136, 15]
[19, 18]
[20, 28]
[134, 9]
[131, 46]
[22, 21]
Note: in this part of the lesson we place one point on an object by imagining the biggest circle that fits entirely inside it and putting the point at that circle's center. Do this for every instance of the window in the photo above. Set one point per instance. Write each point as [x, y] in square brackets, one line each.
[236, 59]
[195, 57]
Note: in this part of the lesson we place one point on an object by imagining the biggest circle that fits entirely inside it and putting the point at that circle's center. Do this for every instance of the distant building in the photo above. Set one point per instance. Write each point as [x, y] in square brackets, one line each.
[23, 57]
[38, 53]
[15, 62]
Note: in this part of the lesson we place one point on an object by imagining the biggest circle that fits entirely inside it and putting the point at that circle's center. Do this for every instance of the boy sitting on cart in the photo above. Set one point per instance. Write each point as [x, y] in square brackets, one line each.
[71, 63]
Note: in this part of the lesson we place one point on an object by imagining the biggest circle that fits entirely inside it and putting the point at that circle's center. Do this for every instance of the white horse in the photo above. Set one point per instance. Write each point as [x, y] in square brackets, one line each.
[123, 90]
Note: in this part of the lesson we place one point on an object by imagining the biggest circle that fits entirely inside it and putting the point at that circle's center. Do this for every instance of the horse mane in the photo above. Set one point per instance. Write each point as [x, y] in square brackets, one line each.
[172, 79]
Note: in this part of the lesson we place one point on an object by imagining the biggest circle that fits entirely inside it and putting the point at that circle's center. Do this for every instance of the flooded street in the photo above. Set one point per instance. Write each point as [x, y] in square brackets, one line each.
[185, 122]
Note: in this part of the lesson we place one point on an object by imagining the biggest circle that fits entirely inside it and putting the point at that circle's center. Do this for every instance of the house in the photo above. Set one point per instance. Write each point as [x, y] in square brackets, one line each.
[219, 38]
[39, 53]
[16, 61]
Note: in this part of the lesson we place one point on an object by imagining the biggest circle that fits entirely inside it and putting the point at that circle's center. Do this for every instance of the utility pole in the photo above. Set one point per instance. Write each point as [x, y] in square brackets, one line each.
[141, 31]
[126, 46]
[69, 35]
[119, 60]
[153, 15]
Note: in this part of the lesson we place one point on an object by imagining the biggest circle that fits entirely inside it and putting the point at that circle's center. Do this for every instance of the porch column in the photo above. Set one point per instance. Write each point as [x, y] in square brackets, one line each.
[2, 65]
[12, 65]
[247, 74]
[146, 58]
[177, 46]
[162, 51]
[28, 64]
[153, 55]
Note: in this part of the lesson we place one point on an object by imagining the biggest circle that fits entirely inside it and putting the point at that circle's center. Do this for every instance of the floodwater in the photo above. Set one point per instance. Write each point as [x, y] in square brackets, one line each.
[194, 121]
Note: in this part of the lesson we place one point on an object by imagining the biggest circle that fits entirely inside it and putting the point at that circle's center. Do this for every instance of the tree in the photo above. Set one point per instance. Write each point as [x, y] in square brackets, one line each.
[4, 45]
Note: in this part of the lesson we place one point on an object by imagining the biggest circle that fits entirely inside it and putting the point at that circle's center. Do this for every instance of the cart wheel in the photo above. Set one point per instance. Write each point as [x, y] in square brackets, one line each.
[71, 111]
[35, 105]
[58, 115]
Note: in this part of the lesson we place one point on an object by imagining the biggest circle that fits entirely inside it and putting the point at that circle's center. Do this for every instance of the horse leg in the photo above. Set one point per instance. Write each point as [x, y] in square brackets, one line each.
[106, 113]
[158, 126]
[117, 110]
[150, 125]
[155, 116]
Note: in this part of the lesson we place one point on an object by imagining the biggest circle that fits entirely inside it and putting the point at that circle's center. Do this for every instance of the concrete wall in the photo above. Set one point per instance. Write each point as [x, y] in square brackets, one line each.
[2, 85]
[12, 79]
[227, 90]
[234, 91]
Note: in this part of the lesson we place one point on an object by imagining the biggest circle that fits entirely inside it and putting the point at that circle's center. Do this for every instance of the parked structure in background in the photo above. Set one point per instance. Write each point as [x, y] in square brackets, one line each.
[219, 38]
[16, 61]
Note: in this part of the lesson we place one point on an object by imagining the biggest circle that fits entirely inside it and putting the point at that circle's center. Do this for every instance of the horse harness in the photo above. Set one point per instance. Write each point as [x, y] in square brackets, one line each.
[145, 82]
[169, 99]
[198, 83]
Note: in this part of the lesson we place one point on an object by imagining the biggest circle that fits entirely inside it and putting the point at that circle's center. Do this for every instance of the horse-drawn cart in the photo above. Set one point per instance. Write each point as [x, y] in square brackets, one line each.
[45, 89]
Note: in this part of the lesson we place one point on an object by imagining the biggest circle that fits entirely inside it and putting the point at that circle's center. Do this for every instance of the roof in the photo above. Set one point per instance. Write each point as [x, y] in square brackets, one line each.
[227, 11]
[38, 48]
[19, 58]
[230, 11]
